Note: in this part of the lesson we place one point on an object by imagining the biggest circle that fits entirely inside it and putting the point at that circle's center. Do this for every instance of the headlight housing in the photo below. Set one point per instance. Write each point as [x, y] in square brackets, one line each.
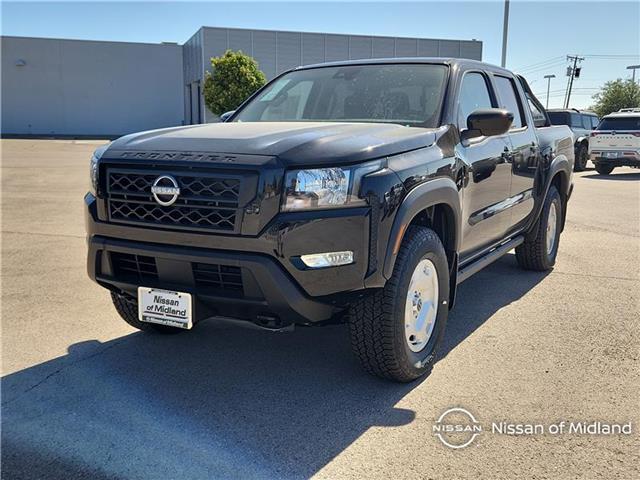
[93, 167]
[325, 188]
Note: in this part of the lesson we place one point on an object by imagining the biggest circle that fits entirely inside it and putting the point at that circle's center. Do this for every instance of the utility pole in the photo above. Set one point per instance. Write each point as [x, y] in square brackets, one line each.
[505, 32]
[548, 77]
[572, 72]
[633, 69]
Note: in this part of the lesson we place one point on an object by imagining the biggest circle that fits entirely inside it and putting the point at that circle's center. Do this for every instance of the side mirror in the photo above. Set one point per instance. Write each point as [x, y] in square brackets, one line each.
[488, 122]
[226, 115]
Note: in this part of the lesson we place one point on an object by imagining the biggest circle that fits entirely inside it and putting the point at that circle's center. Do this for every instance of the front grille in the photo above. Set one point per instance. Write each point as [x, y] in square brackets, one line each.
[206, 201]
[137, 268]
[221, 277]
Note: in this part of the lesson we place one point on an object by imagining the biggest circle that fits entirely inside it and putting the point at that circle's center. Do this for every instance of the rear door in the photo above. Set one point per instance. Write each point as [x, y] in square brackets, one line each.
[488, 170]
[524, 157]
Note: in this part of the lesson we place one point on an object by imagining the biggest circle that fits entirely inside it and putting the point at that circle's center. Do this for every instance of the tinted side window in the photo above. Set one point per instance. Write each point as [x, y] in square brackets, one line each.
[559, 118]
[586, 122]
[474, 94]
[576, 121]
[594, 122]
[509, 99]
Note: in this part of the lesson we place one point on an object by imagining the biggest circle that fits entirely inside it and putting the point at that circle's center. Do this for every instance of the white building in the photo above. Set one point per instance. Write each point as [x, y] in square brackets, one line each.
[89, 88]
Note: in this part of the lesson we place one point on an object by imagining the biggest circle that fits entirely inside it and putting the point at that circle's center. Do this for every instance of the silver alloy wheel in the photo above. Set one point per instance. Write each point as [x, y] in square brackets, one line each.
[552, 225]
[421, 307]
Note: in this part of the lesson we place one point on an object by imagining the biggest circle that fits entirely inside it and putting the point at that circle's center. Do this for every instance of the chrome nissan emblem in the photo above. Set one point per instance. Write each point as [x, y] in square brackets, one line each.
[165, 190]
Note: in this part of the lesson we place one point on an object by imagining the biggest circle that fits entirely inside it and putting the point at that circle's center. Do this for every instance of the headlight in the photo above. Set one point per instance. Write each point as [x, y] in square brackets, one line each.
[93, 167]
[322, 188]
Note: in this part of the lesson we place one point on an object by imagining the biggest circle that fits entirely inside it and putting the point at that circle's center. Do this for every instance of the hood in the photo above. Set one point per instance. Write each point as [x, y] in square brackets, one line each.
[294, 143]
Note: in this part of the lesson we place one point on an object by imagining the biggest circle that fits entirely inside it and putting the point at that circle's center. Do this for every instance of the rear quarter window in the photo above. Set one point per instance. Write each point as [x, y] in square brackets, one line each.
[559, 118]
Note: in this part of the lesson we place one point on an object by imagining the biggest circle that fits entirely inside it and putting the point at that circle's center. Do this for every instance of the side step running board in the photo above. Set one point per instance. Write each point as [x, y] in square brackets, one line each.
[468, 270]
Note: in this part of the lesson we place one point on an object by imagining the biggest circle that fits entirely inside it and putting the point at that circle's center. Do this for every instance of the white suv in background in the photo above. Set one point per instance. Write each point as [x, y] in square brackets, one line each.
[616, 141]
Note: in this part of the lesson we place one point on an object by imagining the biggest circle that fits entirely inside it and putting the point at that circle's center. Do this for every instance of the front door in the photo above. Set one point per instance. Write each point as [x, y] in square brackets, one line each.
[488, 172]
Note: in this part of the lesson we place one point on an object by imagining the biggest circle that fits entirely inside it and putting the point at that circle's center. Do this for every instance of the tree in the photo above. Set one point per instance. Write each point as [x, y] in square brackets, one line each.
[235, 76]
[615, 95]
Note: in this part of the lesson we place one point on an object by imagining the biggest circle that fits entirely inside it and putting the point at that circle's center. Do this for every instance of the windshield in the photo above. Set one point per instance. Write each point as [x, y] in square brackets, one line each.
[405, 94]
[620, 123]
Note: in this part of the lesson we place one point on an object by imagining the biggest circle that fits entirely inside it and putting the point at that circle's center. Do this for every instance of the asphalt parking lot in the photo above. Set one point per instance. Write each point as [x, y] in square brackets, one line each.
[86, 396]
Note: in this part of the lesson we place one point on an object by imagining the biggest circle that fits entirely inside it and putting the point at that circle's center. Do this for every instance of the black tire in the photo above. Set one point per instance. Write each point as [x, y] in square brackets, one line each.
[377, 322]
[127, 307]
[582, 155]
[604, 169]
[533, 254]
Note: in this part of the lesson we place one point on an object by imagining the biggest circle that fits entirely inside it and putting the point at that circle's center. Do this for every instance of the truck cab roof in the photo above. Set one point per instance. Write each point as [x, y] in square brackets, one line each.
[453, 62]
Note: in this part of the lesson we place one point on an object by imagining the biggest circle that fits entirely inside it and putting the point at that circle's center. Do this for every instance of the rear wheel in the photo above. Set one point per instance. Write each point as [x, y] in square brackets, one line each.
[604, 169]
[127, 307]
[582, 155]
[539, 252]
[396, 331]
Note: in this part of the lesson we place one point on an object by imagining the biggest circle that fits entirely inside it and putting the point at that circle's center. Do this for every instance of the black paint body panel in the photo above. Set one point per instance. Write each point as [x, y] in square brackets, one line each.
[491, 189]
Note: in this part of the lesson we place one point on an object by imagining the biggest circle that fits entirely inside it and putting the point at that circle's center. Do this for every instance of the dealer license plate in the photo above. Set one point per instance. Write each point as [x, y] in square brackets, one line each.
[164, 307]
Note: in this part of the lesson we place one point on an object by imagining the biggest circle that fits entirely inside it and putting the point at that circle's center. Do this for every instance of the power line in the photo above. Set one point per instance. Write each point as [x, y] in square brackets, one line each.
[562, 91]
[574, 94]
[542, 68]
[561, 58]
[525, 67]
[613, 55]
[548, 66]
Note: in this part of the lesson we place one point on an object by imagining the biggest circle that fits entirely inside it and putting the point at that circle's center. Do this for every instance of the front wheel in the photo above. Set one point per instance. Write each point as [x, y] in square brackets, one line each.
[396, 331]
[539, 252]
[604, 169]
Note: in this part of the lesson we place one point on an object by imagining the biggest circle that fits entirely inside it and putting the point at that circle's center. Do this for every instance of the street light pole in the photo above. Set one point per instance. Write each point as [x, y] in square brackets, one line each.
[505, 31]
[633, 69]
[548, 77]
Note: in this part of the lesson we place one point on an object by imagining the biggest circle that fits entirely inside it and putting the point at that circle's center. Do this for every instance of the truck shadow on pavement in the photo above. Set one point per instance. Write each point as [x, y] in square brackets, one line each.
[217, 402]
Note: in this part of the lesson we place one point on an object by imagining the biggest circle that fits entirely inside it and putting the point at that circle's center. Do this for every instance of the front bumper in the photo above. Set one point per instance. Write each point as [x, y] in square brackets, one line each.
[623, 158]
[273, 284]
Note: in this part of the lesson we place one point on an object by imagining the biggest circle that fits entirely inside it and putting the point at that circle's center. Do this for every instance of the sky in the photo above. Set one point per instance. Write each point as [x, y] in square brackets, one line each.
[541, 34]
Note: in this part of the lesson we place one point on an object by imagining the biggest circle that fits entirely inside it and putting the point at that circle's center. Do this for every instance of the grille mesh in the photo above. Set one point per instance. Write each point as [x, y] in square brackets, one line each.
[215, 219]
[206, 201]
[134, 267]
[222, 277]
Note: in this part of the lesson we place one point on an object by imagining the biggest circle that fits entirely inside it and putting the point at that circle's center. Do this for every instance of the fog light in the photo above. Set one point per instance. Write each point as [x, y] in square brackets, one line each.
[329, 259]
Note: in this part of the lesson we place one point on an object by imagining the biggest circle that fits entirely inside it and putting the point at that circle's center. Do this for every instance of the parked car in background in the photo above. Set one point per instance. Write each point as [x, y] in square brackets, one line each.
[616, 141]
[581, 124]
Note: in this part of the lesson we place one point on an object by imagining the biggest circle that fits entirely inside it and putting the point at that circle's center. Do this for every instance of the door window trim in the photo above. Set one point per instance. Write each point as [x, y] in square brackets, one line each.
[492, 95]
[523, 116]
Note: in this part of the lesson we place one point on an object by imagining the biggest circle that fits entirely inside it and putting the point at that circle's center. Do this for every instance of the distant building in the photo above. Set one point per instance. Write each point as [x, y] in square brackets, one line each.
[78, 87]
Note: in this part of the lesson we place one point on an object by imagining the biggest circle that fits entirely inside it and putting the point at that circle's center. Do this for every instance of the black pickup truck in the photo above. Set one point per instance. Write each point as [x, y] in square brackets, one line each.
[361, 192]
